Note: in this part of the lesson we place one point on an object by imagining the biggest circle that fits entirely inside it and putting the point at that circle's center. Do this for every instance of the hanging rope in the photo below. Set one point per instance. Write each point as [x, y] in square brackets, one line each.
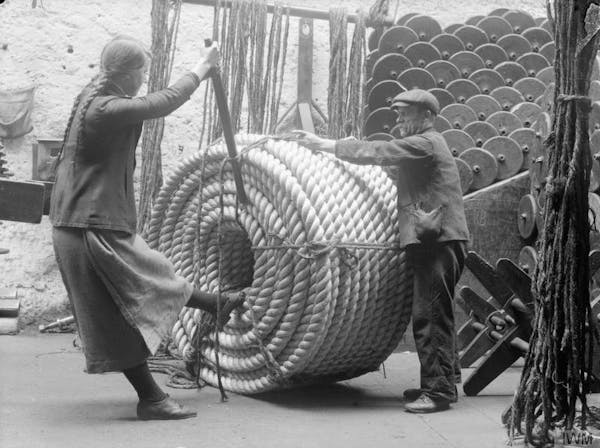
[558, 366]
[165, 23]
[278, 43]
[378, 12]
[338, 89]
[328, 296]
[347, 75]
[252, 77]
[357, 78]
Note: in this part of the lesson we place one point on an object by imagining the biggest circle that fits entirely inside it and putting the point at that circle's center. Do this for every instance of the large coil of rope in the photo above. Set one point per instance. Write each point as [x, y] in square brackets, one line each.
[328, 294]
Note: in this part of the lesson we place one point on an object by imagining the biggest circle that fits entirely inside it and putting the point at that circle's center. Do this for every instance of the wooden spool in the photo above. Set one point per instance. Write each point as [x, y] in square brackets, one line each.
[528, 259]
[459, 115]
[447, 44]
[465, 173]
[463, 89]
[458, 141]
[484, 167]
[483, 105]
[481, 132]
[508, 154]
[526, 216]
[396, 39]
[491, 54]
[525, 138]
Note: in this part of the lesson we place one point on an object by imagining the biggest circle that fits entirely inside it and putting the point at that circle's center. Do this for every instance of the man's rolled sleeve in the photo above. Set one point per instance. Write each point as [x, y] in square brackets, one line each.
[382, 153]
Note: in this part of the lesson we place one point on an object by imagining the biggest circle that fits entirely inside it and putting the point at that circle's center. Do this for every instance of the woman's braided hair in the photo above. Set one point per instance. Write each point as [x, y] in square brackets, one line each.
[120, 56]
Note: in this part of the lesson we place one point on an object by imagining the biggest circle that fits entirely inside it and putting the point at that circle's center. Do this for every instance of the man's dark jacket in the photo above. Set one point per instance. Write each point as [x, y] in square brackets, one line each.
[426, 177]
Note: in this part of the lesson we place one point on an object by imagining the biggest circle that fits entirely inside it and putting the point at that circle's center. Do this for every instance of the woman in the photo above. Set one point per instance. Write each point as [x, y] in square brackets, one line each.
[125, 296]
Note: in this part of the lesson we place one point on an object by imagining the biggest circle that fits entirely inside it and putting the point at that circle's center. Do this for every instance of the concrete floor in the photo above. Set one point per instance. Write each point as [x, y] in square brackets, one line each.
[47, 401]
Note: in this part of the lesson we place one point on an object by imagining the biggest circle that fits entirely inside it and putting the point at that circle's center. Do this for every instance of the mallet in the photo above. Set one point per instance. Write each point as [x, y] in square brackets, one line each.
[221, 99]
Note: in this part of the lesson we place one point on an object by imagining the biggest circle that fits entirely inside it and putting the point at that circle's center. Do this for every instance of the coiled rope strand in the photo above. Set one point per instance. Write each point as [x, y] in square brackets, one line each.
[335, 314]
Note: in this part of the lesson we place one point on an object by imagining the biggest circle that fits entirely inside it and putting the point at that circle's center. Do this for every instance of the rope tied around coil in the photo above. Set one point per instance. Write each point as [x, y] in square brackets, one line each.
[305, 319]
[583, 100]
[313, 249]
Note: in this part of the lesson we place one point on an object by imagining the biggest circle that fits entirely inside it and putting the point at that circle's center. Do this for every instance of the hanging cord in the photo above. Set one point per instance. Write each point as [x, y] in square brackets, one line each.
[558, 367]
[278, 42]
[164, 36]
[250, 74]
[338, 89]
[272, 58]
[353, 116]
[272, 117]
[258, 30]
[220, 275]
[378, 13]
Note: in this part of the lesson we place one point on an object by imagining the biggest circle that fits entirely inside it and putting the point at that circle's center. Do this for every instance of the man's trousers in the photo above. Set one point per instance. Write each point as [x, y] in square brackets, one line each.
[437, 268]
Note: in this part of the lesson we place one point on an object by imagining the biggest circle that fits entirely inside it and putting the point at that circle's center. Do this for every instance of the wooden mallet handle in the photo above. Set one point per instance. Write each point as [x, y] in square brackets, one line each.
[221, 99]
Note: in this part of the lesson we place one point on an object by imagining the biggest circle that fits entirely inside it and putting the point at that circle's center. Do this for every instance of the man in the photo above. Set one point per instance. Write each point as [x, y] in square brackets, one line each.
[432, 230]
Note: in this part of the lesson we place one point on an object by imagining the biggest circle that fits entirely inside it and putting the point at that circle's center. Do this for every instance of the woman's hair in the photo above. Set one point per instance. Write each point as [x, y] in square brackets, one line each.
[120, 56]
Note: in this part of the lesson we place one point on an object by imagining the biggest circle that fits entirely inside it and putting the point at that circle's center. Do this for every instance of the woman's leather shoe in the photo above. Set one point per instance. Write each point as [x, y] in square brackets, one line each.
[165, 409]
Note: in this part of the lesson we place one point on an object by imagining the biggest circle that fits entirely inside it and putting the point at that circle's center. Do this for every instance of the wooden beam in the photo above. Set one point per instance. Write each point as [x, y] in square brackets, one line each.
[295, 11]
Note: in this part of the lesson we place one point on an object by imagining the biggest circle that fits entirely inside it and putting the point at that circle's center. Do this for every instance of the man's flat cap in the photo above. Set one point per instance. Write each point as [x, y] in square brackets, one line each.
[417, 96]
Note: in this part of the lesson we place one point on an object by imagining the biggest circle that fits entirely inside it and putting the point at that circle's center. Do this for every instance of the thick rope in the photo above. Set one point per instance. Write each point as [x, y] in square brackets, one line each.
[325, 317]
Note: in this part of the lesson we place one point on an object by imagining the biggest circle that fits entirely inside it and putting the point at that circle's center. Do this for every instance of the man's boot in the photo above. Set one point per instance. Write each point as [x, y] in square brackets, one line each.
[413, 394]
[425, 405]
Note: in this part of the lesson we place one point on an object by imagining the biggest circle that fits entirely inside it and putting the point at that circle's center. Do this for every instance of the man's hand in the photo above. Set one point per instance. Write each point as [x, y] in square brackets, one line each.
[314, 142]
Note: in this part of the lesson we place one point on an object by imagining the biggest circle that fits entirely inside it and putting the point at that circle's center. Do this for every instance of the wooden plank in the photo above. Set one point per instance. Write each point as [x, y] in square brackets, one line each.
[21, 201]
[501, 357]
[306, 121]
[476, 348]
[516, 279]
[305, 60]
[480, 307]
[488, 277]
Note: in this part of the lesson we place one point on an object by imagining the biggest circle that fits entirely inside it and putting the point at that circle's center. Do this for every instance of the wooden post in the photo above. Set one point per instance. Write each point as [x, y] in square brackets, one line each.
[305, 66]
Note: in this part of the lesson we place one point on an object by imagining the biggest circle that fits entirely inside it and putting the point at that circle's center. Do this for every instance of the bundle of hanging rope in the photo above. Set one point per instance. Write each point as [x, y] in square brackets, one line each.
[558, 368]
[328, 294]
[165, 24]
[252, 65]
